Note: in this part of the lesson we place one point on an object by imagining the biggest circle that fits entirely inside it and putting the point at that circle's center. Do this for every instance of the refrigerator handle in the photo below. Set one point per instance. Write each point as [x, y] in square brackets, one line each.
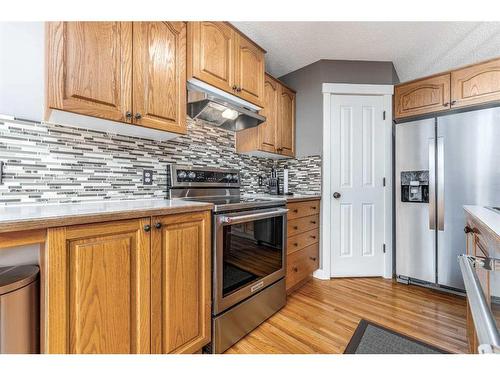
[432, 184]
[440, 183]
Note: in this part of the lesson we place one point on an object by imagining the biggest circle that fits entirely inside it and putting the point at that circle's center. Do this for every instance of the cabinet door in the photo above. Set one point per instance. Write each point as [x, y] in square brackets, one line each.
[249, 71]
[476, 84]
[89, 68]
[98, 294]
[211, 53]
[159, 76]
[269, 129]
[423, 96]
[286, 121]
[181, 283]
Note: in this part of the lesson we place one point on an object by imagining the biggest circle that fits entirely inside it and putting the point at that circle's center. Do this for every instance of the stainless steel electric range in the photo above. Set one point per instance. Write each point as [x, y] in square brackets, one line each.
[248, 250]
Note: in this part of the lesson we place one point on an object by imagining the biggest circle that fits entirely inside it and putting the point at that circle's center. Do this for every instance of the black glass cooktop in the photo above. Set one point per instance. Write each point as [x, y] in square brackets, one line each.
[238, 202]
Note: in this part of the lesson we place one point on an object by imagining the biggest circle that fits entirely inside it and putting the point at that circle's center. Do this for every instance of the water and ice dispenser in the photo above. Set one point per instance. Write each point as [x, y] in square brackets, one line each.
[415, 186]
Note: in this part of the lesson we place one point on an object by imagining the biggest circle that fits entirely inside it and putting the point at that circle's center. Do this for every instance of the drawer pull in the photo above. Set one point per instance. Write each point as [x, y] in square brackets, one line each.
[313, 207]
[295, 210]
[313, 222]
[295, 269]
[295, 244]
[295, 227]
[313, 258]
[313, 237]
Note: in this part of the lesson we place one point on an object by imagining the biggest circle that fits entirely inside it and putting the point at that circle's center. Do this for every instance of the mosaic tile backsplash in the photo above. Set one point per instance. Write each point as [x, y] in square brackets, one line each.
[51, 163]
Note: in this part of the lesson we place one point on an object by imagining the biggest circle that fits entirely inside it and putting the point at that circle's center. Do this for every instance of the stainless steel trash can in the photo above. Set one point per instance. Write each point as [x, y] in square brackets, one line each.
[19, 310]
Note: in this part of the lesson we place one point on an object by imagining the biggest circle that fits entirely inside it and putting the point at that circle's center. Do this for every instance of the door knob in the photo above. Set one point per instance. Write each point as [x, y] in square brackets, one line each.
[336, 195]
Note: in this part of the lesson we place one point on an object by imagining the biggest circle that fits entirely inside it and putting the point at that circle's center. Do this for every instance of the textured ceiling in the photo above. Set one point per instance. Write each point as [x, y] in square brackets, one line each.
[416, 48]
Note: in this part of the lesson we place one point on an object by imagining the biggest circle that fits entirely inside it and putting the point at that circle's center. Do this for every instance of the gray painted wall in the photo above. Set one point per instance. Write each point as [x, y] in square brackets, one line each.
[307, 81]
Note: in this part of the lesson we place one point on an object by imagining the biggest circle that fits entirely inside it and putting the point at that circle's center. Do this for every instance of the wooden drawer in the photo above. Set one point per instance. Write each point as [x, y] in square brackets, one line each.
[301, 209]
[302, 240]
[301, 264]
[303, 224]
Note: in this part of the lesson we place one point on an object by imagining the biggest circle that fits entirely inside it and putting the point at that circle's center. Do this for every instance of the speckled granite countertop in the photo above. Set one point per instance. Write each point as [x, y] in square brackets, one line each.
[25, 217]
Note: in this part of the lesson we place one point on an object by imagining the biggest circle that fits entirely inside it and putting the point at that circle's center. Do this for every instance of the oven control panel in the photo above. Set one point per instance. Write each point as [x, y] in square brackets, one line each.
[191, 176]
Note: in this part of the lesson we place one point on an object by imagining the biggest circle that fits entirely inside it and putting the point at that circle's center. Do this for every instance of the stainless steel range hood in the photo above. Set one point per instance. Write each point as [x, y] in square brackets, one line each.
[219, 108]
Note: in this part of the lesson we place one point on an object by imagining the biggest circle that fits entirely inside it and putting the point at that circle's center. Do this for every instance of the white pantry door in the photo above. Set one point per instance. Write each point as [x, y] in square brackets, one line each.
[358, 205]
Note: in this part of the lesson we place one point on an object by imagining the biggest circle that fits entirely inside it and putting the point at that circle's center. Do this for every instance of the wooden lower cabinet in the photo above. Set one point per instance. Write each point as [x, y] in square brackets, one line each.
[480, 242]
[127, 286]
[98, 288]
[180, 282]
[302, 242]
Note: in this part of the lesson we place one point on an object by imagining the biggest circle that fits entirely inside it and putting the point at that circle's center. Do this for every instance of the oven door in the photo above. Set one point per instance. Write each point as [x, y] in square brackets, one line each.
[250, 249]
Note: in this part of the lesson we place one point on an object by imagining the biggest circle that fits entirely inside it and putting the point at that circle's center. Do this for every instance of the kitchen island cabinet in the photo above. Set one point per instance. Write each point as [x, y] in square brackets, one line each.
[483, 242]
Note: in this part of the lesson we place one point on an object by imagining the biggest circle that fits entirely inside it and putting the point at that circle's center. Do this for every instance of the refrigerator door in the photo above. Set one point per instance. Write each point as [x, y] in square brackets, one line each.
[415, 222]
[469, 166]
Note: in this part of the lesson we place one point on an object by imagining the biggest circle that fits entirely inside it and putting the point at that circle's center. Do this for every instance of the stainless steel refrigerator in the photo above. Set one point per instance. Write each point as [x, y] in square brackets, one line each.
[441, 164]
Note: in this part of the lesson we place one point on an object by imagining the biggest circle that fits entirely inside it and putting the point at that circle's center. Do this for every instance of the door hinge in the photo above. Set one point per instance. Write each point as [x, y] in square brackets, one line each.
[383, 248]
[383, 115]
[383, 181]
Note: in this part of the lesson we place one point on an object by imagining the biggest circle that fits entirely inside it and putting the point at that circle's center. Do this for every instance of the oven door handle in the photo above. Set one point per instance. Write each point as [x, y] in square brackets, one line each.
[254, 215]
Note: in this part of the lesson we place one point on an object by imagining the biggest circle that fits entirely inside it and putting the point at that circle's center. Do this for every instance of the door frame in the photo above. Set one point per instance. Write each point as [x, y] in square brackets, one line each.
[329, 91]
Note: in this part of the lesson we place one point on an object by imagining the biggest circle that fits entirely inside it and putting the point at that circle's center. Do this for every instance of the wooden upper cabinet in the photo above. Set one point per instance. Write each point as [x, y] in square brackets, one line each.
[132, 72]
[268, 131]
[476, 84]
[98, 288]
[286, 122]
[90, 68]
[159, 94]
[211, 53]
[277, 134]
[222, 57]
[249, 71]
[181, 300]
[422, 96]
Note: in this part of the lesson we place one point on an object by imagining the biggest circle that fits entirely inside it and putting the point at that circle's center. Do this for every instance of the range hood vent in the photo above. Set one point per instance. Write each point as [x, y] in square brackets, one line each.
[220, 109]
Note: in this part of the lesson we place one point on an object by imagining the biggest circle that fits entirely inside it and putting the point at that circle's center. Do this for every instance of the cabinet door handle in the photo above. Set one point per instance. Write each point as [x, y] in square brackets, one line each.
[313, 222]
[138, 116]
[295, 269]
[446, 104]
[295, 244]
[313, 237]
[128, 114]
[238, 89]
[147, 228]
[234, 87]
[295, 227]
[453, 102]
[312, 258]
[158, 225]
[295, 210]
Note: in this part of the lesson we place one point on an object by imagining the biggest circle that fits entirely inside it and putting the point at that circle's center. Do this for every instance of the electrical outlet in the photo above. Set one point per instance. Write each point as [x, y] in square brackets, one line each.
[147, 177]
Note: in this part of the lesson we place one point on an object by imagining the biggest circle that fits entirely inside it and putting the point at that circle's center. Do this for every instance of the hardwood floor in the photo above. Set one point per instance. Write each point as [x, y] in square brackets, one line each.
[321, 317]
